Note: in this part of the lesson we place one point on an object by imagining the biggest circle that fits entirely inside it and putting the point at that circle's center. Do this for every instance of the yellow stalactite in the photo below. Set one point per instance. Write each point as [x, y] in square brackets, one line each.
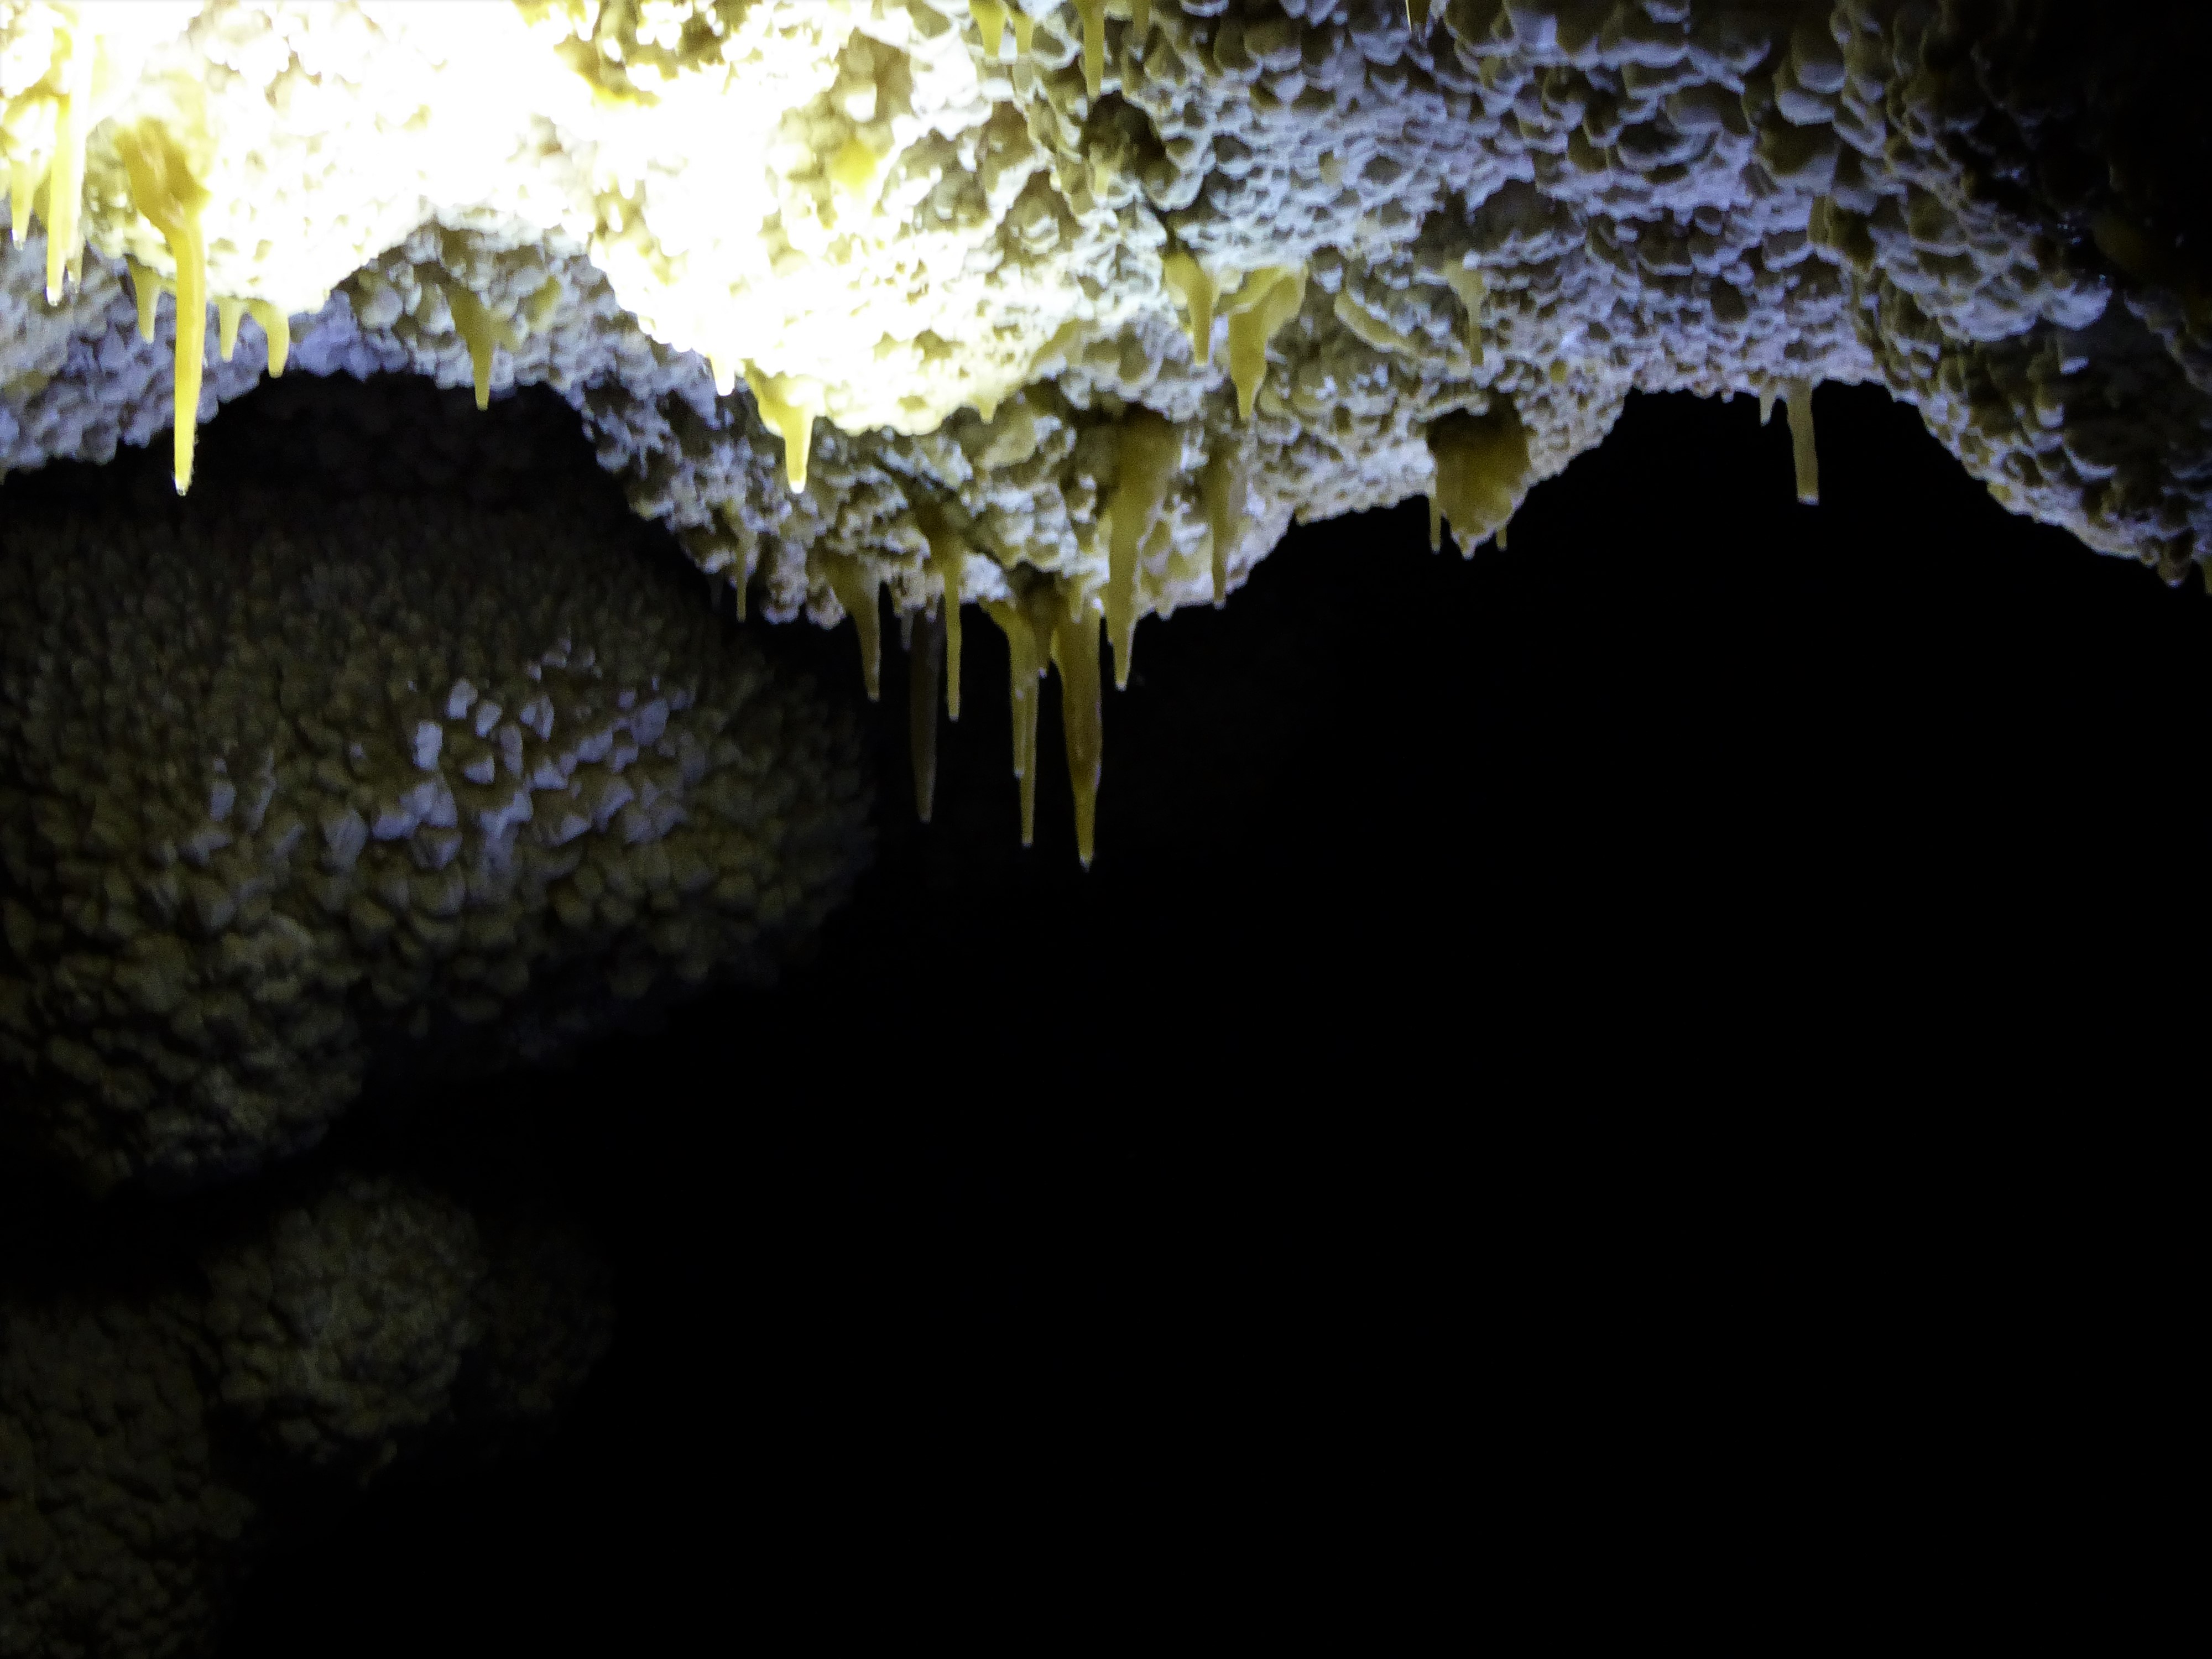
[277, 328]
[227, 313]
[853, 582]
[789, 405]
[1075, 652]
[24, 175]
[748, 550]
[923, 652]
[1140, 21]
[1093, 13]
[1188, 281]
[65, 172]
[1223, 487]
[146, 286]
[1028, 679]
[163, 189]
[1151, 455]
[1417, 17]
[948, 553]
[990, 17]
[1267, 298]
[1024, 33]
[1026, 644]
[480, 330]
[1799, 409]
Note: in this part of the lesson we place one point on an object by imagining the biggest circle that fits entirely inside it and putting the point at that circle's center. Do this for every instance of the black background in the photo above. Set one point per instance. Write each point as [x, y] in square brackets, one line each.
[1711, 927]
[1712, 924]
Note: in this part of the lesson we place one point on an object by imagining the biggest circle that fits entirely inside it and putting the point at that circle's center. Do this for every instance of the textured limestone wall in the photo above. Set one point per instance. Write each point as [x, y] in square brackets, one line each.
[288, 778]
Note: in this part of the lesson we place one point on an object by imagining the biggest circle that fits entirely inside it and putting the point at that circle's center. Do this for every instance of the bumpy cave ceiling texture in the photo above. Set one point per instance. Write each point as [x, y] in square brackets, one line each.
[1051, 316]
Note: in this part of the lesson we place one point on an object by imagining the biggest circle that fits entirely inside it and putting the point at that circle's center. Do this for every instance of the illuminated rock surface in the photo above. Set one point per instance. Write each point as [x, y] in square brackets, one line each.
[162, 1419]
[1067, 315]
[427, 751]
[1074, 308]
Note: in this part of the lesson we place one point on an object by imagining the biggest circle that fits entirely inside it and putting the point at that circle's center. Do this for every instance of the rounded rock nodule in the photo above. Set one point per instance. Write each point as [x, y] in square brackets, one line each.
[180, 1405]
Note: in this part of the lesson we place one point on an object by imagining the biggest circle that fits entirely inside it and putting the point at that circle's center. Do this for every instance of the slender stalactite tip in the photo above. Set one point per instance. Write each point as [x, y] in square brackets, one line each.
[65, 171]
[1226, 488]
[22, 185]
[1093, 15]
[146, 289]
[476, 326]
[1075, 652]
[854, 582]
[163, 189]
[1799, 408]
[1195, 291]
[228, 313]
[990, 17]
[925, 651]
[1028, 623]
[948, 554]
[1151, 455]
[277, 329]
[1263, 302]
[789, 405]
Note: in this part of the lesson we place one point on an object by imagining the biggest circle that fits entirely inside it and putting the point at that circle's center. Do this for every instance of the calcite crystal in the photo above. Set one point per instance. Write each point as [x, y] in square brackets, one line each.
[1068, 309]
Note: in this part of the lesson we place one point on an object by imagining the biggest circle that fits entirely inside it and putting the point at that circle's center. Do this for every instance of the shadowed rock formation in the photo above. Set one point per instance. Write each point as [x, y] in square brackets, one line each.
[166, 1413]
[423, 749]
